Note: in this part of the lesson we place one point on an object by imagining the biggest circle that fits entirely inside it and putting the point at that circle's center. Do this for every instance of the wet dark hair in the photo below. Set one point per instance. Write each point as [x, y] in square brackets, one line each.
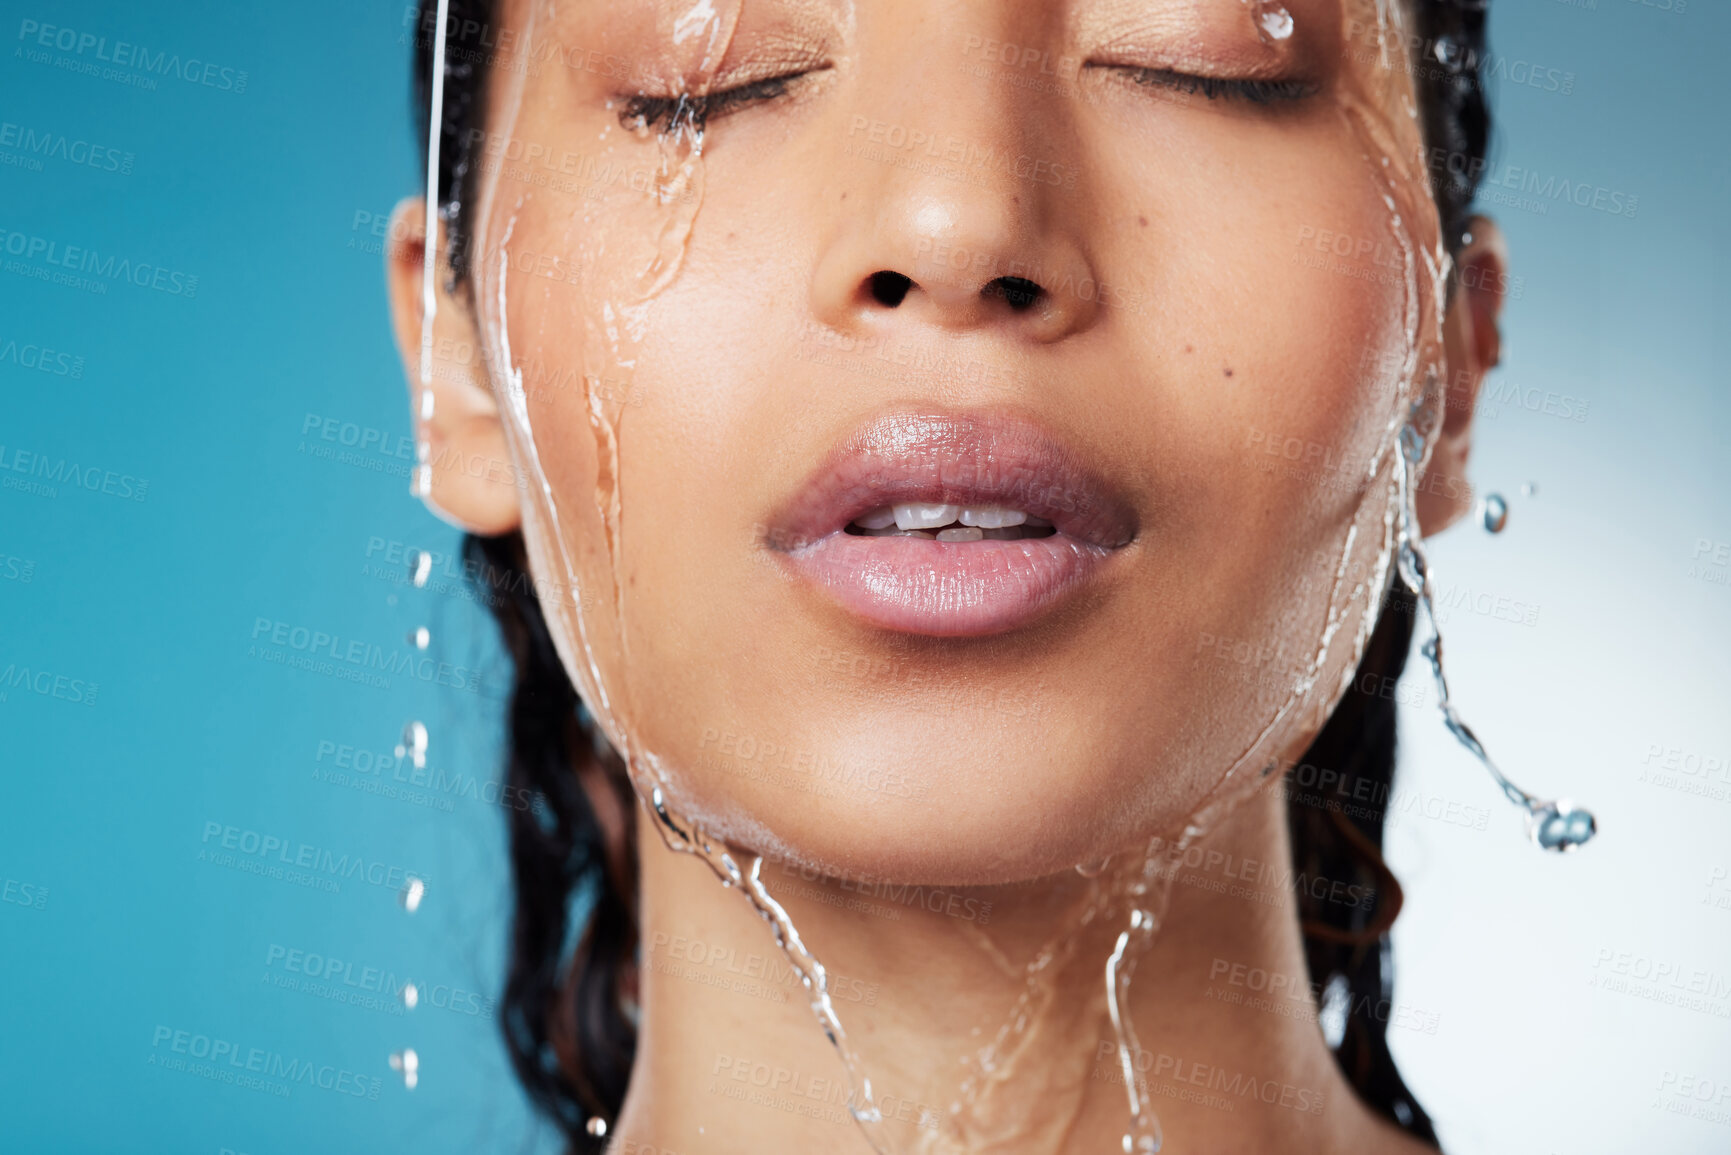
[569, 1008]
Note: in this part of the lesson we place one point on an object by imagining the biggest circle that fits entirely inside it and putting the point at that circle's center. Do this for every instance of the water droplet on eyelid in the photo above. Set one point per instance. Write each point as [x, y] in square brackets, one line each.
[1273, 21]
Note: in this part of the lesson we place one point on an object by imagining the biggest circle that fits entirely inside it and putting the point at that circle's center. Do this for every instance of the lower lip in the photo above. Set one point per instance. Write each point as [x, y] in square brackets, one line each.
[948, 589]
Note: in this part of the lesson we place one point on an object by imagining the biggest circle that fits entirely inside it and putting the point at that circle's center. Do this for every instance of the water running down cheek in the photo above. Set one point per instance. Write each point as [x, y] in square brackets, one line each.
[988, 564]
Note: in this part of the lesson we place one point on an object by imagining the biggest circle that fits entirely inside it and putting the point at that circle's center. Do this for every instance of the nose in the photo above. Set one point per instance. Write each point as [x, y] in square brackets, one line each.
[965, 230]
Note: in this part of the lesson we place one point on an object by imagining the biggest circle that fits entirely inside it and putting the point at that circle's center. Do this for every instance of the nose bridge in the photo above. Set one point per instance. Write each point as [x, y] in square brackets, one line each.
[950, 190]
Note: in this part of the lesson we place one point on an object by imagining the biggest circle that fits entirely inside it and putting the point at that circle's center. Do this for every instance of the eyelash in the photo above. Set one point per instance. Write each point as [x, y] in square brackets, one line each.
[1215, 88]
[668, 114]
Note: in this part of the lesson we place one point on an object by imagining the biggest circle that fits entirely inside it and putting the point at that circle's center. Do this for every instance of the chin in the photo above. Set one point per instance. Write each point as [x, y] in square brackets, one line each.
[967, 797]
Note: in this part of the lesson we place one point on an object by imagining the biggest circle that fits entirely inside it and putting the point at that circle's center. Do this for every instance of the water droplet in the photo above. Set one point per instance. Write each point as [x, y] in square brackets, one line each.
[1331, 1016]
[414, 744]
[413, 891]
[1561, 826]
[420, 637]
[409, 1064]
[1529, 488]
[411, 996]
[1273, 21]
[1411, 443]
[1411, 569]
[597, 1126]
[1494, 513]
[423, 568]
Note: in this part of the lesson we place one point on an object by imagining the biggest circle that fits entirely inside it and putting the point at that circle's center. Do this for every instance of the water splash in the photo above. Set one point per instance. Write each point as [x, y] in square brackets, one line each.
[1557, 825]
[691, 839]
[1138, 890]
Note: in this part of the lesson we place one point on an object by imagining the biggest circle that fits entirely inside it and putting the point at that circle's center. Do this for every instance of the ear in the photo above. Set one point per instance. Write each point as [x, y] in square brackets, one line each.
[470, 479]
[1472, 347]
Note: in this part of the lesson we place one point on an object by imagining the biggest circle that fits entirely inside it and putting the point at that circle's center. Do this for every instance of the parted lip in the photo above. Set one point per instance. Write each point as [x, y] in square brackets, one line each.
[965, 459]
[952, 589]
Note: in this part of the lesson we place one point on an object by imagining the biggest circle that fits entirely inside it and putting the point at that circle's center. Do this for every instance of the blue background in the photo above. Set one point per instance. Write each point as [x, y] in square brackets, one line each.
[155, 601]
[118, 923]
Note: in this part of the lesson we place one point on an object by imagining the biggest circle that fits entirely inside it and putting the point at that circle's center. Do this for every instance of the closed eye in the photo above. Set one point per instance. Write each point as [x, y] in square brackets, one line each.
[1216, 88]
[670, 114]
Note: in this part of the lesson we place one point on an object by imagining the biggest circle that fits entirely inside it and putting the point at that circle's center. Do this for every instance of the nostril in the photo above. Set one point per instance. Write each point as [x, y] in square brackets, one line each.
[889, 289]
[1018, 291]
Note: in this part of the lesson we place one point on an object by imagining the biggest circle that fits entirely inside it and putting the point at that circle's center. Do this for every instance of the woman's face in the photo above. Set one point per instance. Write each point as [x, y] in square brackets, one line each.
[1008, 258]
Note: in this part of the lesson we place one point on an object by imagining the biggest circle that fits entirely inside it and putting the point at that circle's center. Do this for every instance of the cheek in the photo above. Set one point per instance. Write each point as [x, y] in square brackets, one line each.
[1270, 383]
[704, 457]
[1271, 339]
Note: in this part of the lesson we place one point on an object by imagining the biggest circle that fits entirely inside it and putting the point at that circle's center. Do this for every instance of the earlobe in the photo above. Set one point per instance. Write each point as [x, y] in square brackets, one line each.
[465, 462]
[1472, 347]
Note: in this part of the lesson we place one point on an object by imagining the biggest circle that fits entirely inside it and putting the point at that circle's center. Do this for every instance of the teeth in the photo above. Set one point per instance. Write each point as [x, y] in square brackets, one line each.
[913, 515]
[992, 516]
[952, 522]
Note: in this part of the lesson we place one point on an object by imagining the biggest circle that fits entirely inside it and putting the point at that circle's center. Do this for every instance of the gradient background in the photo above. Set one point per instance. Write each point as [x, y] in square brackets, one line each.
[1570, 998]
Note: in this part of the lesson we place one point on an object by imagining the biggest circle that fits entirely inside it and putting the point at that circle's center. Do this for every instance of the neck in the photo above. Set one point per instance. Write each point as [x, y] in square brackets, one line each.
[730, 1057]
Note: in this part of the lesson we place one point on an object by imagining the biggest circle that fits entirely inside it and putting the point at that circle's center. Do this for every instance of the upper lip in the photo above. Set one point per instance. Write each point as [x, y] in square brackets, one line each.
[968, 459]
